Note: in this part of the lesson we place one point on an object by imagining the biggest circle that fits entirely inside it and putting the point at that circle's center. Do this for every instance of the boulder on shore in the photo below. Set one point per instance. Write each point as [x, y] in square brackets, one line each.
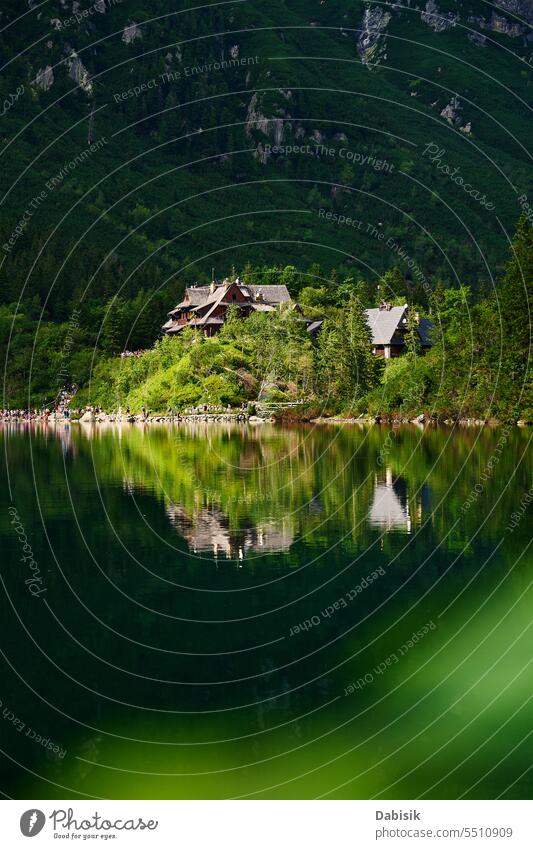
[88, 417]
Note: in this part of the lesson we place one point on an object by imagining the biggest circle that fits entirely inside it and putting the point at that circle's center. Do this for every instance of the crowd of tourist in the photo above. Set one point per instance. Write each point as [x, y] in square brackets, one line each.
[63, 411]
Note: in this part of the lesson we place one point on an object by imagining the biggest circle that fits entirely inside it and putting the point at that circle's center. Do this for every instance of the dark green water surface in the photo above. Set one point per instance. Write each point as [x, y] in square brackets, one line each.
[229, 612]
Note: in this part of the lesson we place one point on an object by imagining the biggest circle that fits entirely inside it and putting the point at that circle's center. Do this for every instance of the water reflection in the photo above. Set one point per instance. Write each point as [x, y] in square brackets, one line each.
[390, 504]
[166, 672]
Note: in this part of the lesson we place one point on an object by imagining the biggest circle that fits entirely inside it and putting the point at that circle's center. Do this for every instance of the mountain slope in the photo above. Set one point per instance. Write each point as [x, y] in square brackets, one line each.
[226, 132]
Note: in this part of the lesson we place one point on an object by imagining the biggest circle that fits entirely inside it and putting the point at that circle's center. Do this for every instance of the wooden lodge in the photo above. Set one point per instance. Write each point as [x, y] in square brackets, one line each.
[205, 308]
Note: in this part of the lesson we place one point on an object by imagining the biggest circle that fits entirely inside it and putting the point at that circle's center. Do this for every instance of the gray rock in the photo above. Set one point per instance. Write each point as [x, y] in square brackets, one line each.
[452, 111]
[373, 27]
[477, 38]
[78, 72]
[131, 33]
[522, 8]
[435, 19]
[504, 26]
[255, 120]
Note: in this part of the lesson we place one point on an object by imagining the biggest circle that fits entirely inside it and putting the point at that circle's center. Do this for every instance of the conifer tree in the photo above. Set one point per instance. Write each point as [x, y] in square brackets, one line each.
[516, 311]
[347, 367]
[412, 337]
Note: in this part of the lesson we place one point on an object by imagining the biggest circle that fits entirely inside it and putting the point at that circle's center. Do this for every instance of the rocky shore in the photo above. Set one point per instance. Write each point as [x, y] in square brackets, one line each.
[420, 420]
[110, 418]
[85, 417]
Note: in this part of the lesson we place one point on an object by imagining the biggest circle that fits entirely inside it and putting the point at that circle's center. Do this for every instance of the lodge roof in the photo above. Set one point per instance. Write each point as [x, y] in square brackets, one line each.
[196, 296]
[385, 320]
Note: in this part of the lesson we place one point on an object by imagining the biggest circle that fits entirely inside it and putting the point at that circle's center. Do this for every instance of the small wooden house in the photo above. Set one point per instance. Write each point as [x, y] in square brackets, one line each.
[388, 326]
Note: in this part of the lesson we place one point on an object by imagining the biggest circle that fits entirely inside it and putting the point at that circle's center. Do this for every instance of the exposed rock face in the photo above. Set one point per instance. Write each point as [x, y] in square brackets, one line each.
[45, 78]
[100, 6]
[452, 111]
[373, 27]
[453, 114]
[272, 127]
[521, 8]
[504, 26]
[131, 33]
[278, 130]
[261, 154]
[78, 72]
[477, 38]
[437, 20]
[234, 51]
[255, 120]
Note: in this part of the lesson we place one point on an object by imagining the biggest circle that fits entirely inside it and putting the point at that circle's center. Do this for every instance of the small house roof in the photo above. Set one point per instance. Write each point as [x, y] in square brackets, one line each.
[314, 327]
[195, 295]
[260, 307]
[277, 294]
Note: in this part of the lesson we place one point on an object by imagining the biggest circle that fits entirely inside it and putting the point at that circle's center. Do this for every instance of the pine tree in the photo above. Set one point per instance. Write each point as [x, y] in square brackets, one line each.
[412, 337]
[516, 311]
[347, 368]
[392, 286]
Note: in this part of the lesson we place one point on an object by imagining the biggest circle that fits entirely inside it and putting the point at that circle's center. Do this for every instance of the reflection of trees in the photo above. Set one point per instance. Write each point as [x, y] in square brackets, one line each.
[318, 484]
[315, 484]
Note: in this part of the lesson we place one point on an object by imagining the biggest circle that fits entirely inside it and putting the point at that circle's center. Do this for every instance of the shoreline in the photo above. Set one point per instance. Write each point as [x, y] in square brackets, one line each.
[420, 421]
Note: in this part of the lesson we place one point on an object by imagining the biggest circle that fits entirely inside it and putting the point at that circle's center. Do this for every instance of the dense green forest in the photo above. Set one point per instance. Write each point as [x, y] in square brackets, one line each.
[478, 365]
[319, 144]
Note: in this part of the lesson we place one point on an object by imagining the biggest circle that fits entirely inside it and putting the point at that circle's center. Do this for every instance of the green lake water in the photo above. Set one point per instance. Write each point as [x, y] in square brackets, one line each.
[223, 611]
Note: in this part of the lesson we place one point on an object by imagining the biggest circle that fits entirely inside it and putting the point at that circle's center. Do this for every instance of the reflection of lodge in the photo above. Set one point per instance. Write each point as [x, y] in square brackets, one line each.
[207, 530]
[391, 509]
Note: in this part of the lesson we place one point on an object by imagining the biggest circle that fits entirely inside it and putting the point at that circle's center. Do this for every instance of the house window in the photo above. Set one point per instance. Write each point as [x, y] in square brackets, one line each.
[234, 296]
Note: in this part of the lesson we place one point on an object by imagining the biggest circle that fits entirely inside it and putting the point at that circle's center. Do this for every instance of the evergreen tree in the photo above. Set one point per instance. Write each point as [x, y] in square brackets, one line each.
[346, 365]
[392, 287]
[516, 311]
[115, 325]
[412, 337]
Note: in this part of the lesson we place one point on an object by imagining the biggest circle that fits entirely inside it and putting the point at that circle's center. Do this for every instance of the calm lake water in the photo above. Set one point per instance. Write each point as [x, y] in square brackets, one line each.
[212, 611]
